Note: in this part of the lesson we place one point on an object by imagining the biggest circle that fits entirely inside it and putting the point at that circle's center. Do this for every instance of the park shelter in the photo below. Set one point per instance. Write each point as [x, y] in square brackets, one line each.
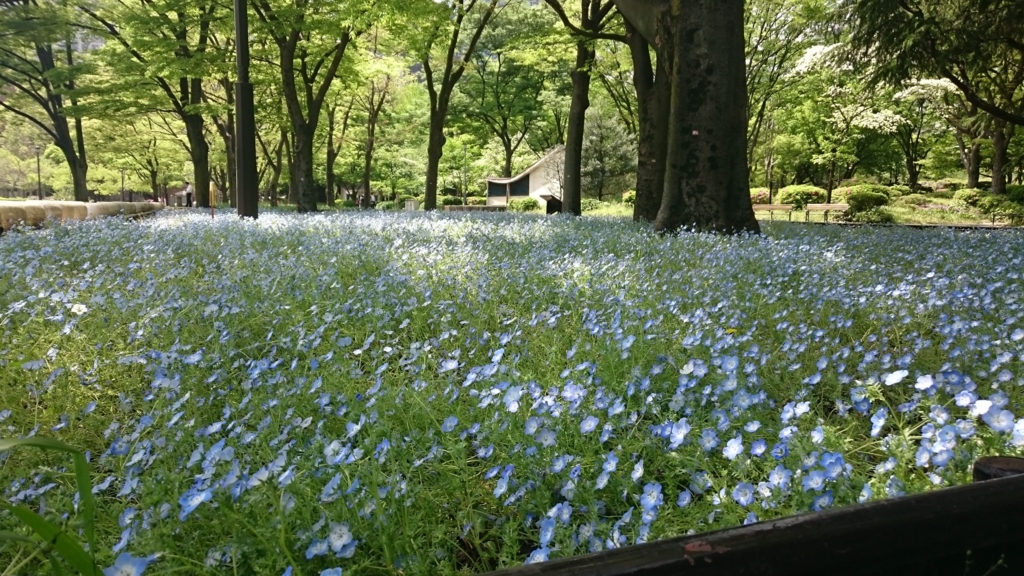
[542, 182]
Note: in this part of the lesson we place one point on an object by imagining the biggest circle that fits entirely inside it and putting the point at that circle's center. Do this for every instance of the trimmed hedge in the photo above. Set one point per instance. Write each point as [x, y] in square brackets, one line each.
[874, 216]
[524, 205]
[475, 201]
[801, 195]
[759, 195]
[389, 205]
[449, 201]
[913, 200]
[969, 197]
[864, 201]
[899, 190]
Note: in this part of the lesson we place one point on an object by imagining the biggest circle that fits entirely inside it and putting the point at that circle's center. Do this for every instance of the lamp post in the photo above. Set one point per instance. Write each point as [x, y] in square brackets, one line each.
[246, 183]
[39, 179]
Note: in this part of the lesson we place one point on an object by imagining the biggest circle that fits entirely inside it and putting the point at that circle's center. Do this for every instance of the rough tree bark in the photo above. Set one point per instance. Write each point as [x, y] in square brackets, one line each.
[706, 175]
[653, 90]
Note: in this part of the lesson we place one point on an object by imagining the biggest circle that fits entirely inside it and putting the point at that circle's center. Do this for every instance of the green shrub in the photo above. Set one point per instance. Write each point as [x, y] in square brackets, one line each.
[801, 195]
[1015, 193]
[389, 205]
[759, 196]
[524, 205]
[871, 188]
[474, 201]
[590, 204]
[985, 185]
[349, 204]
[948, 184]
[864, 201]
[873, 216]
[403, 197]
[968, 197]
[629, 197]
[899, 190]
[944, 194]
[449, 201]
[913, 200]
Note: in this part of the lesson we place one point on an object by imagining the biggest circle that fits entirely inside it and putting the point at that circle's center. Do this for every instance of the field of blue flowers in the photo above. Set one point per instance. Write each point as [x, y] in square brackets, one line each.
[394, 393]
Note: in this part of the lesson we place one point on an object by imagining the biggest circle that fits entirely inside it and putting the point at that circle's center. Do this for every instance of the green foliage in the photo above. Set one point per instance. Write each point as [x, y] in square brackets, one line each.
[388, 205]
[350, 204]
[60, 540]
[1015, 193]
[943, 194]
[759, 195]
[873, 216]
[449, 201]
[609, 154]
[912, 200]
[476, 201]
[590, 204]
[629, 197]
[948, 184]
[865, 201]
[801, 195]
[524, 205]
[968, 197]
[899, 190]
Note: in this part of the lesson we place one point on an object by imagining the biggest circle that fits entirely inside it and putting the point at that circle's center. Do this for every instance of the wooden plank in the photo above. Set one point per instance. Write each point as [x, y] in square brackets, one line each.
[827, 207]
[923, 534]
[771, 207]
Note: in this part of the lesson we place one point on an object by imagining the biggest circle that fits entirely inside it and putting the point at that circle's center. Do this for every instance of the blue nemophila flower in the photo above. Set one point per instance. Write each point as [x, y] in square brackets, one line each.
[685, 497]
[589, 424]
[339, 536]
[743, 494]
[678, 433]
[449, 424]
[877, 421]
[331, 572]
[708, 439]
[651, 496]
[999, 420]
[538, 555]
[316, 548]
[547, 531]
[638, 471]
[733, 448]
[814, 480]
[191, 500]
[128, 565]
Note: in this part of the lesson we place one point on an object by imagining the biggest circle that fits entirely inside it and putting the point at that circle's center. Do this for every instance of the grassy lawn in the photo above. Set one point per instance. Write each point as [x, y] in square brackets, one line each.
[410, 393]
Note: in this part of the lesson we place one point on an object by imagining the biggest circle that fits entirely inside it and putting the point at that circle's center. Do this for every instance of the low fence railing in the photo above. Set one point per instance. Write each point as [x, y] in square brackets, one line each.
[975, 529]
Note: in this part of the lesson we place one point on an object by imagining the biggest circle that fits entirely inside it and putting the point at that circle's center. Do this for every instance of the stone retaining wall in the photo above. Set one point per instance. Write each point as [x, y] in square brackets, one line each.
[35, 212]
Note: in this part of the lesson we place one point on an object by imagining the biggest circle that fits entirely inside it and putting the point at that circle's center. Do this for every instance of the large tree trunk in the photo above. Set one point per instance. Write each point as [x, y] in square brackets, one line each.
[1001, 168]
[506, 168]
[706, 177]
[199, 151]
[572, 188]
[302, 158]
[970, 157]
[435, 148]
[653, 90]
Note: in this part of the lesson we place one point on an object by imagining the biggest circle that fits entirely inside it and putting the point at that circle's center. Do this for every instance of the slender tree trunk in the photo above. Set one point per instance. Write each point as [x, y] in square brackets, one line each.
[303, 156]
[331, 155]
[706, 178]
[435, 149]
[572, 190]
[653, 90]
[1001, 135]
[367, 164]
[199, 151]
[506, 169]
